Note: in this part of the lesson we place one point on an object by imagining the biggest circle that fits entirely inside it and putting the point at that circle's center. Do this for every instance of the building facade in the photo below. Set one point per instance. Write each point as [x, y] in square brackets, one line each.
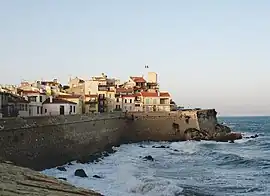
[55, 106]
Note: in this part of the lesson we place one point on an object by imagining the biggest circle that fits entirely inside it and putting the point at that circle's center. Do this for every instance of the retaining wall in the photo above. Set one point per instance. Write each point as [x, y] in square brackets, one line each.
[48, 141]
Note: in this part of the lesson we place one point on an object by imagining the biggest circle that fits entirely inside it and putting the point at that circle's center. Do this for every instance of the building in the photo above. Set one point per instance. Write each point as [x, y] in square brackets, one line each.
[75, 82]
[155, 101]
[35, 98]
[91, 103]
[128, 102]
[111, 100]
[165, 102]
[3, 104]
[78, 99]
[56, 106]
[17, 106]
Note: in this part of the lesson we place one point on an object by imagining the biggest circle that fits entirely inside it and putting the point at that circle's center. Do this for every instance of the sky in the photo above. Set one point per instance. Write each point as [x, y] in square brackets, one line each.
[208, 54]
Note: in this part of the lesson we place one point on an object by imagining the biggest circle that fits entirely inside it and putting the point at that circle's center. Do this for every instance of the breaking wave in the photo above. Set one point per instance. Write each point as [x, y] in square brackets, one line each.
[183, 168]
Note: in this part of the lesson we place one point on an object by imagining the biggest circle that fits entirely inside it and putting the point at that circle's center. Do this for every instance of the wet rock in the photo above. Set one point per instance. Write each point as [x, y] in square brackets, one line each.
[70, 163]
[232, 141]
[175, 150]
[61, 168]
[149, 158]
[80, 173]
[61, 178]
[228, 137]
[141, 146]
[162, 146]
[254, 136]
[96, 176]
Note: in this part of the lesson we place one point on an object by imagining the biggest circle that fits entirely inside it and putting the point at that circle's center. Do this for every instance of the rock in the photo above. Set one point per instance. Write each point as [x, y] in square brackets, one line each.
[70, 163]
[80, 173]
[254, 136]
[61, 168]
[175, 150]
[96, 176]
[162, 146]
[141, 146]
[16, 181]
[149, 158]
[232, 141]
[61, 178]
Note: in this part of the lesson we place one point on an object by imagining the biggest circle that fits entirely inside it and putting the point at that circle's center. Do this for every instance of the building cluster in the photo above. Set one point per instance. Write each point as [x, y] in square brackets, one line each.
[97, 94]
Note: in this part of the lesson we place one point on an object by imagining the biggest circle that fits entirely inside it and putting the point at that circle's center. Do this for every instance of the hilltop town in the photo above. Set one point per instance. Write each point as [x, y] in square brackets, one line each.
[98, 94]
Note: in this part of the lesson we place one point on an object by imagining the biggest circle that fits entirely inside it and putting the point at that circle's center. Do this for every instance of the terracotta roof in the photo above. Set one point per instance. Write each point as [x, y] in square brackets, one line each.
[92, 95]
[32, 92]
[138, 79]
[149, 94]
[124, 90]
[58, 101]
[164, 94]
[69, 96]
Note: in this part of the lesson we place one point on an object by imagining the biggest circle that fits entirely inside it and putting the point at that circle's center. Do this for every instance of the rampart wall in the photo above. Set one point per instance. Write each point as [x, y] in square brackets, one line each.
[44, 142]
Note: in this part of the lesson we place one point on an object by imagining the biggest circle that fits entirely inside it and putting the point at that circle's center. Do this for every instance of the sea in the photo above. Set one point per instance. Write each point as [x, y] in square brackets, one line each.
[191, 168]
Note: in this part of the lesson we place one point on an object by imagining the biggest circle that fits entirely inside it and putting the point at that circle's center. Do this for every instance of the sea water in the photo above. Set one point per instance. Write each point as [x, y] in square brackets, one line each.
[184, 168]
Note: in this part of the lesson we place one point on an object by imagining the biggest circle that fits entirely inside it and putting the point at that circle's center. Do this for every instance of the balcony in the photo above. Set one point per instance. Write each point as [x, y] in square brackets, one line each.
[103, 87]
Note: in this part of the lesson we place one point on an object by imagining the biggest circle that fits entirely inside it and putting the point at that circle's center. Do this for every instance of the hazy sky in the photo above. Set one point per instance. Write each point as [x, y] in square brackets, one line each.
[208, 53]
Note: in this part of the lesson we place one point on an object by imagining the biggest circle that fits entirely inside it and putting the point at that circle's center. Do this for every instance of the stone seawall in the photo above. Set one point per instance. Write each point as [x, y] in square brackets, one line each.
[44, 142]
[171, 126]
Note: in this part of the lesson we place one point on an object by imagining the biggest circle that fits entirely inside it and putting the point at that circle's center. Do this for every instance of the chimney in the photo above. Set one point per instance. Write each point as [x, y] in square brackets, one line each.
[158, 93]
[51, 99]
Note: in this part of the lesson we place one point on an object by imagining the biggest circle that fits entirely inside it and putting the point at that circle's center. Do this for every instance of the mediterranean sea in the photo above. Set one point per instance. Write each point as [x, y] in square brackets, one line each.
[188, 168]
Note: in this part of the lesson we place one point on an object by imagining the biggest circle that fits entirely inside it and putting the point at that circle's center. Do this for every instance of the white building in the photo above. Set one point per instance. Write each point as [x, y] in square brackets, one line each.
[128, 102]
[35, 99]
[55, 106]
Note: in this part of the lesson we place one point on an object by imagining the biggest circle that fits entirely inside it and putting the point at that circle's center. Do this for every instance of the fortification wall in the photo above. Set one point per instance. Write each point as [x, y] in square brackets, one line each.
[48, 141]
[59, 139]
[168, 126]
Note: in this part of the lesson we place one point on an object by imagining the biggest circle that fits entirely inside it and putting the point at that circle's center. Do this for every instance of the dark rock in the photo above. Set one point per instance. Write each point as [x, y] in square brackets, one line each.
[61, 168]
[96, 176]
[80, 173]
[149, 158]
[162, 146]
[70, 163]
[232, 141]
[60, 178]
[175, 150]
[141, 146]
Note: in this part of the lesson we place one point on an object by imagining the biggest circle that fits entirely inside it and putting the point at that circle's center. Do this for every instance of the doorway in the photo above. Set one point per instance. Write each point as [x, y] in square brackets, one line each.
[62, 110]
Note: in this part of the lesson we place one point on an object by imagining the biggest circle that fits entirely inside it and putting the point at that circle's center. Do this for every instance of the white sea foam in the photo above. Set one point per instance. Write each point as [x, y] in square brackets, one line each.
[123, 173]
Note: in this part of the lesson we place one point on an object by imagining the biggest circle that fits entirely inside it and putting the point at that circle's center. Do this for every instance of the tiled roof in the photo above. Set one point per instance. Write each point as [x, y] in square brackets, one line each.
[58, 101]
[32, 92]
[124, 90]
[16, 99]
[69, 96]
[138, 79]
[149, 94]
[164, 94]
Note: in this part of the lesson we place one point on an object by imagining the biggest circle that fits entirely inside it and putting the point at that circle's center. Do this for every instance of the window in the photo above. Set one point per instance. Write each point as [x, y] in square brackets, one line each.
[125, 100]
[147, 101]
[74, 109]
[154, 101]
[37, 109]
[40, 99]
[70, 109]
[110, 95]
[117, 100]
[41, 110]
[26, 107]
[45, 110]
[130, 101]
